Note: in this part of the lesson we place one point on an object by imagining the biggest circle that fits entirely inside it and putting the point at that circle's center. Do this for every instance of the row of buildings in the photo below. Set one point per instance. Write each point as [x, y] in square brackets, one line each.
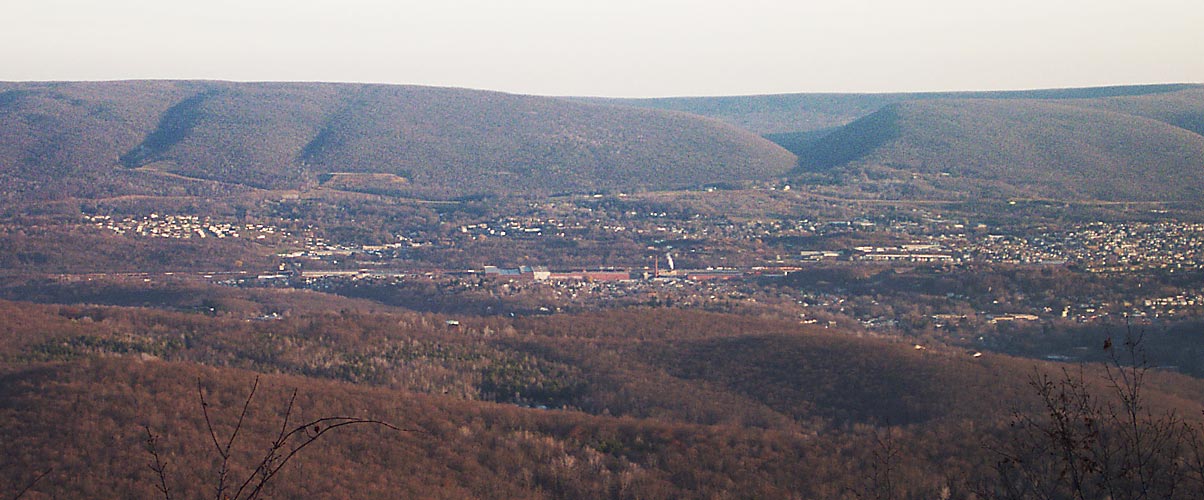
[542, 273]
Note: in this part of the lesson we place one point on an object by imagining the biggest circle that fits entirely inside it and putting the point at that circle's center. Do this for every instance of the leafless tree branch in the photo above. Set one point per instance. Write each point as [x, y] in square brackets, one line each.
[33, 483]
[289, 442]
[158, 465]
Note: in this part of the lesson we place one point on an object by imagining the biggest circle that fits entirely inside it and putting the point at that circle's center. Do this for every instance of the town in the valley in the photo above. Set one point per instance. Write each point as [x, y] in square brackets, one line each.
[926, 273]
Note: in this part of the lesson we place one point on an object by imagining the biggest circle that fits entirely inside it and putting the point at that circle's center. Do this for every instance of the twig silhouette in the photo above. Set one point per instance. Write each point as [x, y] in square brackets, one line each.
[33, 483]
[289, 442]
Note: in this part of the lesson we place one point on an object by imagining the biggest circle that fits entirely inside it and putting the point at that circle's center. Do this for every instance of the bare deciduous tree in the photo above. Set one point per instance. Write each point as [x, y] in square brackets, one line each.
[1088, 445]
[289, 441]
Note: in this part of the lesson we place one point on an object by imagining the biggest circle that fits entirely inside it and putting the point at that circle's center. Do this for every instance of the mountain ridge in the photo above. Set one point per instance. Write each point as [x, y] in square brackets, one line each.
[211, 138]
[803, 112]
[1116, 143]
[88, 139]
[1020, 148]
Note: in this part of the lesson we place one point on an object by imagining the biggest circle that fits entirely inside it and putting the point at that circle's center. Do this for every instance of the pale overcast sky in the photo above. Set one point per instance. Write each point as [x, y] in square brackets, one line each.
[614, 47]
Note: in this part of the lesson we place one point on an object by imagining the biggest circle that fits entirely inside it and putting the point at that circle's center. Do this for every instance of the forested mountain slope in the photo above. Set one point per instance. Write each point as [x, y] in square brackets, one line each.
[200, 137]
[639, 403]
[1096, 149]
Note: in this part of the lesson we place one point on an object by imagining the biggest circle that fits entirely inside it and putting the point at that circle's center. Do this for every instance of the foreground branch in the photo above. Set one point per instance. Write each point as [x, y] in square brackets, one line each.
[289, 442]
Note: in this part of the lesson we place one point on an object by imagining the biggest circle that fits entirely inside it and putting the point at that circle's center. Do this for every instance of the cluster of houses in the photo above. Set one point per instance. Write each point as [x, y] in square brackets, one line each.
[1099, 246]
[182, 227]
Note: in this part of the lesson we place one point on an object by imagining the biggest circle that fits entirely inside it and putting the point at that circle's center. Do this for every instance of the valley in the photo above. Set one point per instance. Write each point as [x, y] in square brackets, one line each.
[585, 298]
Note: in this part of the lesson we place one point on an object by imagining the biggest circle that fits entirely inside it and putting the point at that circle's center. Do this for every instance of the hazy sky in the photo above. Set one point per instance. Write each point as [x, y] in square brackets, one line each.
[614, 47]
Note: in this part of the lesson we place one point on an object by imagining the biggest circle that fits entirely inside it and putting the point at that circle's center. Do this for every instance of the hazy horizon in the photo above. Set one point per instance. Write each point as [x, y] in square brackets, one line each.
[624, 48]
